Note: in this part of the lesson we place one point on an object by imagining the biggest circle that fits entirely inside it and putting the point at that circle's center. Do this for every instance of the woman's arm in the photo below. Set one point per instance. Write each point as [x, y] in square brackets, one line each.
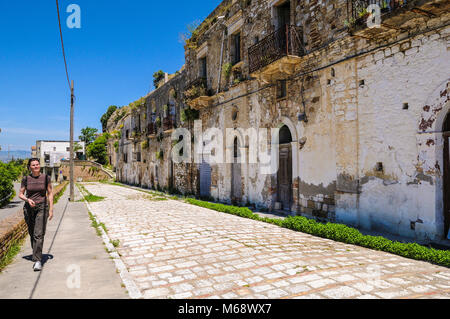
[50, 200]
[24, 198]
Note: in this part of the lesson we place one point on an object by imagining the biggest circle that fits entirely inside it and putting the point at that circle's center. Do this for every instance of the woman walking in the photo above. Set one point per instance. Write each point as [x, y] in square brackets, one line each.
[38, 207]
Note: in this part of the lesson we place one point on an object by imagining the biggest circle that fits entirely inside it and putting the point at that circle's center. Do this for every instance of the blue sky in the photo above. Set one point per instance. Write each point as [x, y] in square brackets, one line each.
[111, 59]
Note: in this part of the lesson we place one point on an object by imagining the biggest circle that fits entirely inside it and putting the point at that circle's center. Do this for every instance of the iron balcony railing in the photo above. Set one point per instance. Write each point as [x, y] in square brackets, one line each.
[285, 41]
[169, 123]
[199, 87]
[151, 128]
[360, 10]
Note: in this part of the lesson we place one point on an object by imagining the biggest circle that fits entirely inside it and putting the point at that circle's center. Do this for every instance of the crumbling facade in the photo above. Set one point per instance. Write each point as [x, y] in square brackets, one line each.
[361, 102]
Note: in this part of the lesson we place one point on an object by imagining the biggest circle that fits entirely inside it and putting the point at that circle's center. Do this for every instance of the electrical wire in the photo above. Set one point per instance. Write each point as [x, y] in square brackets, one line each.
[62, 44]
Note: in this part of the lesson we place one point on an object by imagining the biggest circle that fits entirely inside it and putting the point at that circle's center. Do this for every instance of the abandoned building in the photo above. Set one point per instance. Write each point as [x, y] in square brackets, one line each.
[362, 107]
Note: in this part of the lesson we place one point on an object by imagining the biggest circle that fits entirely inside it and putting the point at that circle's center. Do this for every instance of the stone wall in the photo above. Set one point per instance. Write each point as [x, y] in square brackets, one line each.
[84, 171]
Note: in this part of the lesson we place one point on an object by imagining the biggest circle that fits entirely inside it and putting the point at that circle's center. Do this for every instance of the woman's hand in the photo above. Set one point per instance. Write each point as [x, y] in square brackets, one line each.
[31, 202]
[50, 214]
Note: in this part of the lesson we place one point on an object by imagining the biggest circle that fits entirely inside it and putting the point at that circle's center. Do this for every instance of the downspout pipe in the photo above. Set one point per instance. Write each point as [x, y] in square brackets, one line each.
[221, 18]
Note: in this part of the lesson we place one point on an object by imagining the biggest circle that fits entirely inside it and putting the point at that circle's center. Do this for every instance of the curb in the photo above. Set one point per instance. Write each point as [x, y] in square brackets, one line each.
[133, 291]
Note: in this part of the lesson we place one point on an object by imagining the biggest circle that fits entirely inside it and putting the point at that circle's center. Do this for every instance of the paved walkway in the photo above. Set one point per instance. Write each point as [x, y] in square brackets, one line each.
[76, 263]
[176, 250]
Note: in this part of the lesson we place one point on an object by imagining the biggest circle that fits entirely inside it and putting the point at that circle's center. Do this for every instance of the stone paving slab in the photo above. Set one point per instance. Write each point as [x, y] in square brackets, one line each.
[177, 250]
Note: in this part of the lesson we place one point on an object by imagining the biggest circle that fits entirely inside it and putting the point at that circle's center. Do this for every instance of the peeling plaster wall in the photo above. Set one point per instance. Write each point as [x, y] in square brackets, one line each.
[405, 191]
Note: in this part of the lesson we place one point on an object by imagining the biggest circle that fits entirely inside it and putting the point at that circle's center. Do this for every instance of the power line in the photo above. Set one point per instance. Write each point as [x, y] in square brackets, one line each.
[62, 44]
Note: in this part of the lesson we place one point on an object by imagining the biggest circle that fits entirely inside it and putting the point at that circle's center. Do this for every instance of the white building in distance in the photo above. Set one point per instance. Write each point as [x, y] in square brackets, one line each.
[51, 153]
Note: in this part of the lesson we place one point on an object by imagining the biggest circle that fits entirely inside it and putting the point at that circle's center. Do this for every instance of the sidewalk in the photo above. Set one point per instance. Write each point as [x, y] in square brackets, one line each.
[76, 264]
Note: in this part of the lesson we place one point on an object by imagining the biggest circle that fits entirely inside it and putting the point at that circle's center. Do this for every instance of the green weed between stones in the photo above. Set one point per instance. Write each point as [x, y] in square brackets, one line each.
[338, 232]
[115, 243]
[97, 225]
[59, 194]
[90, 198]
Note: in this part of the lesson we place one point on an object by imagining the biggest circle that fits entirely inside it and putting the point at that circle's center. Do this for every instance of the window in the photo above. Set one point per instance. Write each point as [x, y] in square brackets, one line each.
[203, 68]
[281, 89]
[125, 158]
[67, 149]
[127, 133]
[138, 156]
[236, 48]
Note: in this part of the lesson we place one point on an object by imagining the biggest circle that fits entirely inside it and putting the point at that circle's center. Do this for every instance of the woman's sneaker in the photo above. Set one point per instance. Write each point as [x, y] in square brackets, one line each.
[37, 266]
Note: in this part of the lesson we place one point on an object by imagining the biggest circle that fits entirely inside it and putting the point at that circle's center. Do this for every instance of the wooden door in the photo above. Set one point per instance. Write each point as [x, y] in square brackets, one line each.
[446, 183]
[205, 179]
[285, 177]
[236, 182]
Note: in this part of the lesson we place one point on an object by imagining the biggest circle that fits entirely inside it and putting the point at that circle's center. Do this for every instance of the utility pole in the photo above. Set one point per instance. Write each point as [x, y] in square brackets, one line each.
[72, 190]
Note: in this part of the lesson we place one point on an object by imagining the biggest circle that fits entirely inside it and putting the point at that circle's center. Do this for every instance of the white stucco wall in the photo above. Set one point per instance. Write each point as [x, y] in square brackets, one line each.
[407, 190]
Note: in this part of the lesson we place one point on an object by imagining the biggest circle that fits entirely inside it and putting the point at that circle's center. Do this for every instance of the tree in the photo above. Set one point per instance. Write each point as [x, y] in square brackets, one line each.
[158, 76]
[8, 174]
[105, 117]
[88, 135]
[77, 147]
[97, 150]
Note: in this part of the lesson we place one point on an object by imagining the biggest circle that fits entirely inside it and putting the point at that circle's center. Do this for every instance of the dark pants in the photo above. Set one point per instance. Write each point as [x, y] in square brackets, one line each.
[36, 219]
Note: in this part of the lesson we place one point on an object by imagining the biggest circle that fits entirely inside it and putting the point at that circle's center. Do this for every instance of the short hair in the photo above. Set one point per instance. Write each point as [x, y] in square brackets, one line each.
[33, 160]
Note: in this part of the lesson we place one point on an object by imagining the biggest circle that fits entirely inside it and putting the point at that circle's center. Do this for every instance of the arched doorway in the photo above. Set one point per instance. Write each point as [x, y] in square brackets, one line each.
[446, 180]
[284, 176]
[236, 182]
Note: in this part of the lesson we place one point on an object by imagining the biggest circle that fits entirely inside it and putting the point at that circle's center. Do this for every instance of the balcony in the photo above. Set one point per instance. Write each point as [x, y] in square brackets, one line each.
[135, 134]
[395, 15]
[169, 123]
[151, 129]
[197, 95]
[279, 52]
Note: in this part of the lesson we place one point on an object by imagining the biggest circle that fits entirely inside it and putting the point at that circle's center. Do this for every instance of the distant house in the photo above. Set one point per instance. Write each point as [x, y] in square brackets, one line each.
[33, 152]
[52, 152]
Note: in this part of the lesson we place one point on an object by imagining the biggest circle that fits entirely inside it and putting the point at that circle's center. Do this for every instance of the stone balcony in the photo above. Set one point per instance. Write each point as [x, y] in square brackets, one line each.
[395, 15]
[198, 95]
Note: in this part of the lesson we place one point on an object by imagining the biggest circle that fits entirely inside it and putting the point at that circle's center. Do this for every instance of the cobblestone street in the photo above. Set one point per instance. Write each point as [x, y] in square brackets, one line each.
[176, 250]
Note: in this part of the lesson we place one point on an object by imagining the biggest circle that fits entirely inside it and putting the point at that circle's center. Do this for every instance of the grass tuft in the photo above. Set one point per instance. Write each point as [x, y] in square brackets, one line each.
[13, 250]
